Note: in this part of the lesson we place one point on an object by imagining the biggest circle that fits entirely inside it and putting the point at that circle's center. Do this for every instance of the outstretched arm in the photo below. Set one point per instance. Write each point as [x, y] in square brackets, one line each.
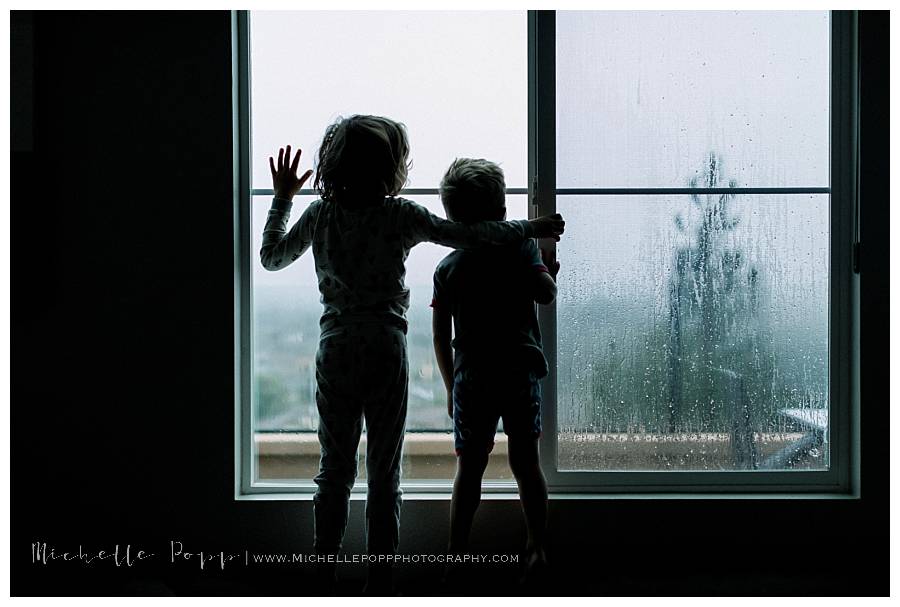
[280, 249]
[425, 226]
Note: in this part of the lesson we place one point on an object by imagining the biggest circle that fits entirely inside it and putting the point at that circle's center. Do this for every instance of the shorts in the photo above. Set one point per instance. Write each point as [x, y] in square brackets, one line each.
[481, 398]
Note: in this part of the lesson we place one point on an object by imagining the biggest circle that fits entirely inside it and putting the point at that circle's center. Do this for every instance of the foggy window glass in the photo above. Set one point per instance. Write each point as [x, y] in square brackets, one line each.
[693, 332]
[644, 96]
[458, 82]
[693, 329]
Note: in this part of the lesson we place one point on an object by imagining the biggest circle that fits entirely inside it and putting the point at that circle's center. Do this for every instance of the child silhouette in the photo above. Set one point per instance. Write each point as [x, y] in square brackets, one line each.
[489, 294]
[361, 233]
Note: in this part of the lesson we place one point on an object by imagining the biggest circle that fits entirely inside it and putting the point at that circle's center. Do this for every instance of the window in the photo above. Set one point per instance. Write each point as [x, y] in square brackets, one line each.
[430, 74]
[703, 161]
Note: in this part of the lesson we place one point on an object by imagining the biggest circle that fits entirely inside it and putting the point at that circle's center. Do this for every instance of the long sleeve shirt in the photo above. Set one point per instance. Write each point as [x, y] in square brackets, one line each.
[360, 253]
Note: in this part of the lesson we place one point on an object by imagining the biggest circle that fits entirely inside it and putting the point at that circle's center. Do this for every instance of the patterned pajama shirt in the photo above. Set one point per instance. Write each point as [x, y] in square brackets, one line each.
[361, 363]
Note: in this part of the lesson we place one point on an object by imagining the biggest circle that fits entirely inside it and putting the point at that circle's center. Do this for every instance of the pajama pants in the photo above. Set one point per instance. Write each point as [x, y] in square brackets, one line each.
[362, 373]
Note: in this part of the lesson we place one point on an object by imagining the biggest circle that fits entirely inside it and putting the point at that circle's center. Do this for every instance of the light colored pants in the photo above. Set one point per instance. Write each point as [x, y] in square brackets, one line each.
[362, 373]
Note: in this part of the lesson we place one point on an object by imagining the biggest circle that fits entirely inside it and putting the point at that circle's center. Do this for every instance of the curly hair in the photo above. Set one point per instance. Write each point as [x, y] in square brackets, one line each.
[473, 189]
[362, 158]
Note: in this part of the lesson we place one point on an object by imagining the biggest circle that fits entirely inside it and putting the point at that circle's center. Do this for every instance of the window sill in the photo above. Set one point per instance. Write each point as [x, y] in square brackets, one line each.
[412, 496]
[288, 462]
[291, 457]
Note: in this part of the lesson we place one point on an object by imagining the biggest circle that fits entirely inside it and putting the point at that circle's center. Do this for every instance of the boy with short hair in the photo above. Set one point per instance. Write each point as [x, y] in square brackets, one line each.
[488, 296]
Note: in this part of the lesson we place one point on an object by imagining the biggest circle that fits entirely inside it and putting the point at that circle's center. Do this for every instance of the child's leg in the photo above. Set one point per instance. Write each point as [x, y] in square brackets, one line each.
[340, 425]
[385, 385]
[470, 466]
[474, 426]
[387, 380]
[524, 461]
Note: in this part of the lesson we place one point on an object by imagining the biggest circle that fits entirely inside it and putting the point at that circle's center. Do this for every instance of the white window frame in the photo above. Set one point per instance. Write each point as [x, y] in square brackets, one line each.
[840, 480]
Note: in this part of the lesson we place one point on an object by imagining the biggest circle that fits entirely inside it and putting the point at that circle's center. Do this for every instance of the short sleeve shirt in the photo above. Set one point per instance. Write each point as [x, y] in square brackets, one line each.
[489, 294]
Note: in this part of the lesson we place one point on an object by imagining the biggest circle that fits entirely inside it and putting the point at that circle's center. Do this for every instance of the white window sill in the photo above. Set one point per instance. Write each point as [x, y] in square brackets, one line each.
[297, 455]
[411, 496]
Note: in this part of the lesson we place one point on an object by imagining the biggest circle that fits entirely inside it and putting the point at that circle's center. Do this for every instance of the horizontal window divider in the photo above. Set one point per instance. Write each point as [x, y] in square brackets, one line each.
[409, 191]
[602, 191]
[652, 191]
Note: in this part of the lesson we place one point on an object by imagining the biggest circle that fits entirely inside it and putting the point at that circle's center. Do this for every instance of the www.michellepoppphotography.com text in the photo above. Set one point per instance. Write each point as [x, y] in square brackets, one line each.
[176, 554]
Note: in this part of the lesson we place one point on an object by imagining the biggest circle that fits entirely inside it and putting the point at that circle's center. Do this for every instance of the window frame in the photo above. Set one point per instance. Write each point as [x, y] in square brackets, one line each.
[840, 480]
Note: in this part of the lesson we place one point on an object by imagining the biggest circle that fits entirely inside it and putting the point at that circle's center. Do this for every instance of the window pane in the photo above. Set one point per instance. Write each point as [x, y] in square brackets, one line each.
[286, 312]
[693, 333]
[642, 95]
[457, 80]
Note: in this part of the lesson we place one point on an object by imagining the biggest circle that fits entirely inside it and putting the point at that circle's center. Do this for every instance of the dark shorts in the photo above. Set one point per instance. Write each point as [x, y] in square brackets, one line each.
[483, 398]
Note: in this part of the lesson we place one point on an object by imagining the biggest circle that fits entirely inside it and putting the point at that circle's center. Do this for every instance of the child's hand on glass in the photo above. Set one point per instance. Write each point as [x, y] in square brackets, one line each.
[284, 179]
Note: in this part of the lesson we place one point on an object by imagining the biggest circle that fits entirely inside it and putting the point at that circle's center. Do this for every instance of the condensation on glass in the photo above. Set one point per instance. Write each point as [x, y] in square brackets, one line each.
[643, 97]
[693, 333]
[693, 330]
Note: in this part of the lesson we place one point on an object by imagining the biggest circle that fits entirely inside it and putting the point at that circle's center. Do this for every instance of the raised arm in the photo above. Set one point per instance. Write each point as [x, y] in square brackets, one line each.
[424, 226]
[281, 248]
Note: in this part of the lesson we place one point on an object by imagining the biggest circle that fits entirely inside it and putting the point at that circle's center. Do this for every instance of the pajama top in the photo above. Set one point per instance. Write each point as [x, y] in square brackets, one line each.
[360, 253]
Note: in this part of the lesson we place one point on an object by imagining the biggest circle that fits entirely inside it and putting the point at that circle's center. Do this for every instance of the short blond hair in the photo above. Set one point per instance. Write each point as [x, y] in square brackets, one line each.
[473, 189]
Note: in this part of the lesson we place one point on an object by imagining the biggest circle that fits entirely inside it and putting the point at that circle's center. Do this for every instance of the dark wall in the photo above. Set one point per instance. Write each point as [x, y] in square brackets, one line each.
[122, 384]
